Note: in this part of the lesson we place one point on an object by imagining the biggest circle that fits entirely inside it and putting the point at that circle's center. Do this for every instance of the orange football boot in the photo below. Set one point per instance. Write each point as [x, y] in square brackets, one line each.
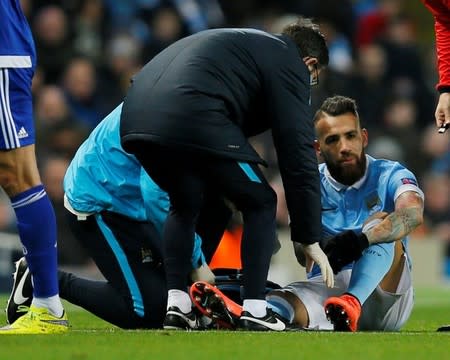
[343, 312]
[210, 301]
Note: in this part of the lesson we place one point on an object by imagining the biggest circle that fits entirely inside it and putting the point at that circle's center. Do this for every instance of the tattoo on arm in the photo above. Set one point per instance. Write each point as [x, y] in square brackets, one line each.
[396, 225]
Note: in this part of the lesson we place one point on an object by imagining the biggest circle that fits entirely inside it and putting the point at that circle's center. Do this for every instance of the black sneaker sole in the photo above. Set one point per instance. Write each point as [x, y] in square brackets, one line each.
[338, 317]
[176, 320]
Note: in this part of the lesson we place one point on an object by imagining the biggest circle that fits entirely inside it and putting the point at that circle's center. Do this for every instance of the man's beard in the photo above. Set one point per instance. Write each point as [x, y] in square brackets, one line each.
[345, 174]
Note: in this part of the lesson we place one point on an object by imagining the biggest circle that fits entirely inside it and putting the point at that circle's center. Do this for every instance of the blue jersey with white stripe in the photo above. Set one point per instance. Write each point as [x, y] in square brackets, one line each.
[347, 207]
[15, 35]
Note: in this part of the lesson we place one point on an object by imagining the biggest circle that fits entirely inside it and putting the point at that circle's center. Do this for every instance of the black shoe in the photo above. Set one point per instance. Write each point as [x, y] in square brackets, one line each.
[177, 320]
[270, 322]
[22, 291]
[444, 328]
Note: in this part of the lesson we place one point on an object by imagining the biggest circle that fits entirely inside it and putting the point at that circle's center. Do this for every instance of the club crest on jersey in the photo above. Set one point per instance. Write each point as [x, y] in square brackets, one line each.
[409, 181]
[373, 201]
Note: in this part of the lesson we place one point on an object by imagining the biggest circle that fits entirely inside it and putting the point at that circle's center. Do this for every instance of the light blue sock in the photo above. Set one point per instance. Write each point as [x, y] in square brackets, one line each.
[37, 230]
[370, 269]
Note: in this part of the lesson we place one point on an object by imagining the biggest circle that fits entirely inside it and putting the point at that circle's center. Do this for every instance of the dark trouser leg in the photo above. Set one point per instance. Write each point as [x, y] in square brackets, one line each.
[212, 222]
[188, 178]
[128, 254]
[99, 298]
[176, 174]
[245, 186]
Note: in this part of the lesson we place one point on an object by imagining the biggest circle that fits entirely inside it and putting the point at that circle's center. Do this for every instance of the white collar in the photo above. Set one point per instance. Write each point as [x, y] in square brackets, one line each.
[338, 186]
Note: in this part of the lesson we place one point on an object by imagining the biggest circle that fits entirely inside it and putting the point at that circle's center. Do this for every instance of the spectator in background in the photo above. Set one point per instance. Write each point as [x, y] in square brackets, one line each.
[123, 58]
[369, 84]
[80, 87]
[57, 131]
[437, 213]
[441, 13]
[89, 30]
[372, 24]
[53, 43]
[166, 27]
[405, 70]
[341, 57]
[400, 124]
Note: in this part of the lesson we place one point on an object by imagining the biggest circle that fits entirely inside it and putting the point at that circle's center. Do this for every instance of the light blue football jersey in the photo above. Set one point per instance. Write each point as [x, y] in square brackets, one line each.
[347, 207]
[102, 176]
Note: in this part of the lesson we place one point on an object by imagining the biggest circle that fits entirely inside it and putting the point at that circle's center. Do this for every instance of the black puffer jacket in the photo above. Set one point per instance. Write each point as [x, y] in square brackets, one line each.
[213, 90]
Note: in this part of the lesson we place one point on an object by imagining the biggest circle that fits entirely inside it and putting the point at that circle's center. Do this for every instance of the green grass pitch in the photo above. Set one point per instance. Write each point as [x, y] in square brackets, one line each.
[91, 338]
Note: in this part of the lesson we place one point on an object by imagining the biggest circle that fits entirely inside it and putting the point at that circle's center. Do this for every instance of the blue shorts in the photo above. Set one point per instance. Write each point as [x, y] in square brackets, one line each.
[16, 108]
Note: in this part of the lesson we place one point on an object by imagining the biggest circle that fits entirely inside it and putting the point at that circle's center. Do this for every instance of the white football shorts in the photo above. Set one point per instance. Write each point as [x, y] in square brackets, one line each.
[382, 311]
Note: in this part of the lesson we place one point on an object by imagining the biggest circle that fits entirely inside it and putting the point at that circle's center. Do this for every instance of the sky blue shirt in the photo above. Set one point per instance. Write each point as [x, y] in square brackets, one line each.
[347, 207]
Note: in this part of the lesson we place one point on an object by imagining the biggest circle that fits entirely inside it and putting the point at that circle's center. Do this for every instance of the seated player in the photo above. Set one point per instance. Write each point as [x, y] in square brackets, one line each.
[369, 206]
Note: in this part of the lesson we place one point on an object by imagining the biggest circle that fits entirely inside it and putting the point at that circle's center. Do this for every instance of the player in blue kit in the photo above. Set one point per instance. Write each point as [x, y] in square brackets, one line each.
[367, 204]
[19, 175]
[117, 213]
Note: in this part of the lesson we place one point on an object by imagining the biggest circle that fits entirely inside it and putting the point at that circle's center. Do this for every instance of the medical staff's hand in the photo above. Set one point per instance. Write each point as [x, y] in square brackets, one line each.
[314, 254]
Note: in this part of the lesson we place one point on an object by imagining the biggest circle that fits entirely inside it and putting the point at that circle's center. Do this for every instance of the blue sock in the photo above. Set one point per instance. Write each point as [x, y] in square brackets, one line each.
[37, 230]
[370, 269]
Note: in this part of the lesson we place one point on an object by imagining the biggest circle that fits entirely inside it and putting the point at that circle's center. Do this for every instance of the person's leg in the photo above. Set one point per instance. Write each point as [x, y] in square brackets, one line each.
[128, 255]
[245, 186]
[390, 305]
[176, 172]
[20, 179]
[380, 264]
[301, 303]
[212, 222]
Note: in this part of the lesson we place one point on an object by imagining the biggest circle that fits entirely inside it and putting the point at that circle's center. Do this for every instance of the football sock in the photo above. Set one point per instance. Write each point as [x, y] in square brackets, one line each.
[258, 308]
[281, 306]
[37, 230]
[52, 303]
[179, 299]
[370, 269]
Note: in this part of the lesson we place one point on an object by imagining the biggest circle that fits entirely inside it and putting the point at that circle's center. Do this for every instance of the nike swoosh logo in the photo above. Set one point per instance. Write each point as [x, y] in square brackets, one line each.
[278, 326]
[191, 322]
[18, 294]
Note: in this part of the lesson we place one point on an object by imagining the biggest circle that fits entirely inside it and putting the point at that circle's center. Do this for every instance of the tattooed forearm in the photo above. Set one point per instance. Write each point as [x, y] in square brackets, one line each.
[396, 225]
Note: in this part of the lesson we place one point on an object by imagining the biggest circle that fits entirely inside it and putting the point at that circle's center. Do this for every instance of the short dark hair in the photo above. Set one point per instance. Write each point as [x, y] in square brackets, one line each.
[309, 39]
[335, 106]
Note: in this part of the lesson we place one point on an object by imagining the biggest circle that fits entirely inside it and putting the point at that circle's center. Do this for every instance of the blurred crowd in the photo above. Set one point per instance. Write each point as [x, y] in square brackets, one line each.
[381, 53]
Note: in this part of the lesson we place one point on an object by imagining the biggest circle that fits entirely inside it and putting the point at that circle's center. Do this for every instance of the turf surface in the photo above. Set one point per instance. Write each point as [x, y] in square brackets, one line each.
[91, 338]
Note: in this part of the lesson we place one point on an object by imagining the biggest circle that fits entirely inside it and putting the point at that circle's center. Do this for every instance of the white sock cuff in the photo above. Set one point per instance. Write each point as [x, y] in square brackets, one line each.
[180, 299]
[256, 307]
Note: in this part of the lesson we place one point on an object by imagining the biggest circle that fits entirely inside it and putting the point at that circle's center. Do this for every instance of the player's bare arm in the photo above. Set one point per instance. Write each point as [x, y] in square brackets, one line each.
[407, 216]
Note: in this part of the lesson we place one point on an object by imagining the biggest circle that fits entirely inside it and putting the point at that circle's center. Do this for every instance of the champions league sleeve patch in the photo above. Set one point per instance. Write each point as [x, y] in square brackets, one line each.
[409, 181]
